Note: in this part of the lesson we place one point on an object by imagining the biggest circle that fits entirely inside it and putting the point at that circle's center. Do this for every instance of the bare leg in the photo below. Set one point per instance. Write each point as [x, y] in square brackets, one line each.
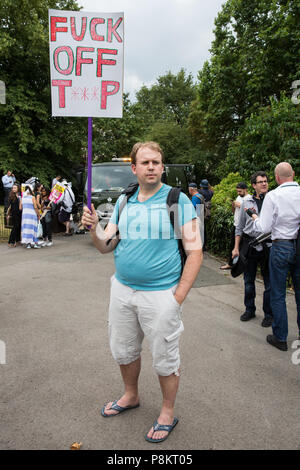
[130, 374]
[169, 386]
[67, 224]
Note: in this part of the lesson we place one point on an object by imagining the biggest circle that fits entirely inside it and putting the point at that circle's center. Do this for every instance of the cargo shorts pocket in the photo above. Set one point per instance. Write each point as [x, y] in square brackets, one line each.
[172, 348]
[176, 334]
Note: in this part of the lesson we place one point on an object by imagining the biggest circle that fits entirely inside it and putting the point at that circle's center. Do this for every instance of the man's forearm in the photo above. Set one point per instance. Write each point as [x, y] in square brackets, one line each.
[237, 241]
[100, 239]
[190, 272]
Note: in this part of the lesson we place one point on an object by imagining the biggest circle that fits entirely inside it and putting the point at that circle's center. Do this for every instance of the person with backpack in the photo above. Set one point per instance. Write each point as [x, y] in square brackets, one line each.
[66, 207]
[198, 203]
[207, 193]
[151, 280]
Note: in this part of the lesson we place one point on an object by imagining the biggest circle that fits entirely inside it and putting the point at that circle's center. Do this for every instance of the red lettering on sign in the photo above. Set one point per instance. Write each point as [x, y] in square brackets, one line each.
[93, 25]
[80, 60]
[62, 90]
[105, 93]
[54, 29]
[101, 61]
[73, 28]
[69, 51]
[111, 30]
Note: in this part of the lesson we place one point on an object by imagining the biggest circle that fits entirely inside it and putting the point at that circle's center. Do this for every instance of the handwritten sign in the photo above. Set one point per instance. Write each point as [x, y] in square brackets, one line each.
[56, 193]
[86, 63]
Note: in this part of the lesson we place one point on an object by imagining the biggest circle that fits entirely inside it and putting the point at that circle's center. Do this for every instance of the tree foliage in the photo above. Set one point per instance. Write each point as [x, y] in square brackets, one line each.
[31, 141]
[162, 112]
[266, 139]
[255, 55]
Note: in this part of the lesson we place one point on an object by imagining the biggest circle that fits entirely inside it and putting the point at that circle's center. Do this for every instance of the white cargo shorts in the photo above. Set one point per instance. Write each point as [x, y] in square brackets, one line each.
[134, 314]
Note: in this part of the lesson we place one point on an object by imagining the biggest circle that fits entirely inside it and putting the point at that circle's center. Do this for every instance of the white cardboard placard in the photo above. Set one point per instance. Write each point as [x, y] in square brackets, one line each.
[86, 63]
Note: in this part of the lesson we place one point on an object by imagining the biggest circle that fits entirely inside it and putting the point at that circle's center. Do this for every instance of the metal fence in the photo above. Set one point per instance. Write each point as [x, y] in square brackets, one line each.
[4, 231]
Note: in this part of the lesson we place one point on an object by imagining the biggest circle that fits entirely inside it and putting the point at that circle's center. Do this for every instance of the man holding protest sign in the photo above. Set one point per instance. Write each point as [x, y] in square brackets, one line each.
[149, 286]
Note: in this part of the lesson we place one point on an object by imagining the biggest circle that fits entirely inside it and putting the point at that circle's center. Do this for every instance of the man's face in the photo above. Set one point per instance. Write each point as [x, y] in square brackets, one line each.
[149, 167]
[241, 192]
[9, 173]
[261, 186]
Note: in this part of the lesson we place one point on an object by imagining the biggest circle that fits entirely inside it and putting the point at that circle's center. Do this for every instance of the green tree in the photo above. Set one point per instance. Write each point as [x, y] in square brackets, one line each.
[31, 141]
[255, 55]
[115, 137]
[267, 138]
[162, 113]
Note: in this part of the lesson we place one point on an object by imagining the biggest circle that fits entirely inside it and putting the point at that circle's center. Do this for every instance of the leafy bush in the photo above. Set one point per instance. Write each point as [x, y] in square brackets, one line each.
[219, 228]
[220, 224]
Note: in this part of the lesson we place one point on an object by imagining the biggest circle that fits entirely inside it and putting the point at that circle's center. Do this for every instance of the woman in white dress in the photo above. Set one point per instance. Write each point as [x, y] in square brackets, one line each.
[30, 218]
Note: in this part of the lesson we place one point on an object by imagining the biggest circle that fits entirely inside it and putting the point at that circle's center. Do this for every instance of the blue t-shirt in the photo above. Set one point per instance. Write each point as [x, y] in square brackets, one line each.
[147, 256]
[197, 200]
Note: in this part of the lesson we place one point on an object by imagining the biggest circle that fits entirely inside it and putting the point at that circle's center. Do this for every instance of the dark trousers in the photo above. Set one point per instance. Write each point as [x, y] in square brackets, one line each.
[232, 243]
[282, 260]
[47, 227]
[6, 196]
[255, 259]
[15, 234]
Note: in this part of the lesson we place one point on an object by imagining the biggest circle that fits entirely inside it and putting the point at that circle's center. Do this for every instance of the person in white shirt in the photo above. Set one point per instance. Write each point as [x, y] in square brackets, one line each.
[8, 181]
[66, 207]
[56, 180]
[242, 191]
[280, 215]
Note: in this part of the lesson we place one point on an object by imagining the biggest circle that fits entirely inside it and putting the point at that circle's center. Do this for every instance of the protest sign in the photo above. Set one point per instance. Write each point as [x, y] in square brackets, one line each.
[86, 63]
[56, 193]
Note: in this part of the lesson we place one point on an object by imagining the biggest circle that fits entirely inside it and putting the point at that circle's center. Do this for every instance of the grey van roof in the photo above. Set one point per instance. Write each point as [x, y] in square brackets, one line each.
[128, 163]
[112, 164]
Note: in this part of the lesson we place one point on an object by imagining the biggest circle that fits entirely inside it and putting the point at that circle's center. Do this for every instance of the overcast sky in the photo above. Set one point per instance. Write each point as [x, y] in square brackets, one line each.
[161, 35]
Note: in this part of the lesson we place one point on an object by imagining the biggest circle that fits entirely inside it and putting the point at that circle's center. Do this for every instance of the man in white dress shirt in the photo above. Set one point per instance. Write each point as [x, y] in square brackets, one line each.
[8, 181]
[280, 215]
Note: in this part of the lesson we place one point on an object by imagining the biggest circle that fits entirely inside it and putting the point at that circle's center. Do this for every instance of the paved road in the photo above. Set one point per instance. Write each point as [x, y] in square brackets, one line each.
[236, 391]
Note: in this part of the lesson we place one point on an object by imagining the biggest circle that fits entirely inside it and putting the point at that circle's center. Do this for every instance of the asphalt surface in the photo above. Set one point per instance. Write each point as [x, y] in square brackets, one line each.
[236, 391]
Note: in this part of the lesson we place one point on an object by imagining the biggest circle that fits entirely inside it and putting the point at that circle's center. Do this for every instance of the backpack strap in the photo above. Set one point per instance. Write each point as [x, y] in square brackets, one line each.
[172, 208]
[129, 191]
[201, 197]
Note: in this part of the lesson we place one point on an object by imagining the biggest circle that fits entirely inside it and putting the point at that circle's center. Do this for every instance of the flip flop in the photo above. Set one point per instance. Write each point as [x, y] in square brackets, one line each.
[118, 408]
[162, 427]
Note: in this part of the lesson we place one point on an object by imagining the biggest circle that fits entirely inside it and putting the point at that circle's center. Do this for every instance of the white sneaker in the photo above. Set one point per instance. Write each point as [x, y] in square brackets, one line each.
[36, 246]
[41, 242]
[49, 244]
[28, 246]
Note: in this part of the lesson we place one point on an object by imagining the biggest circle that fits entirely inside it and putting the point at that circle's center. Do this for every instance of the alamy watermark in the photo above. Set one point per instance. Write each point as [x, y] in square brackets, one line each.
[296, 354]
[2, 353]
[296, 86]
[2, 93]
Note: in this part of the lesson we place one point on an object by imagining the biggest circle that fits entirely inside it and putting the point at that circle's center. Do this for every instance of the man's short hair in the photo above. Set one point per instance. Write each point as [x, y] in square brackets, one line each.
[151, 145]
[258, 173]
[241, 185]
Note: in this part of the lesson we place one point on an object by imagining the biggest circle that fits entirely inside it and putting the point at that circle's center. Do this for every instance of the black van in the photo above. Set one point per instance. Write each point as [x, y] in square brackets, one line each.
[110, 178]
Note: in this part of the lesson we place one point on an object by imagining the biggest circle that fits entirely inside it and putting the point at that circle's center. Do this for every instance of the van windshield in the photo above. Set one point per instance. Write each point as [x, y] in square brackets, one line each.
[111, 178]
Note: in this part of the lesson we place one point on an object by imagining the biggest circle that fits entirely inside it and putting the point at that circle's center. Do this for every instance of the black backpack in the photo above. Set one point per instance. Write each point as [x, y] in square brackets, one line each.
[172, 207]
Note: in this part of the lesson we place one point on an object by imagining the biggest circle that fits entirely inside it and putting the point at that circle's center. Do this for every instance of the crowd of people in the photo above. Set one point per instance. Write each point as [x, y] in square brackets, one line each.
[150, 282]
[266, 234]
[31, 213]
[153, 279]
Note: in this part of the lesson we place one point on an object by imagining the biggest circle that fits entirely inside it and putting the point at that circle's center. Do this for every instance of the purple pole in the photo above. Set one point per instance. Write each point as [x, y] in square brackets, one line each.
[90, 158]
